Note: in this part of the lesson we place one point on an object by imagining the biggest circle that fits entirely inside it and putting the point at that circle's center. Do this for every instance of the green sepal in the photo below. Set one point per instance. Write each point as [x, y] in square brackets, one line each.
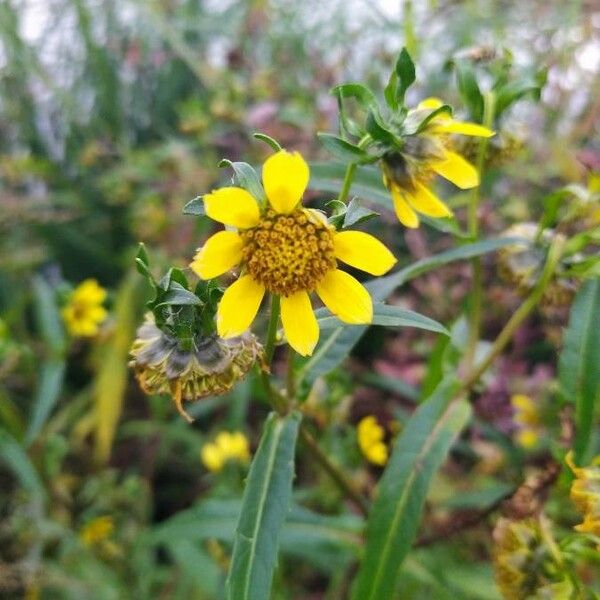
[402, 77]
[247, 178]
[343, 149]
[267, 139]
[195, 207]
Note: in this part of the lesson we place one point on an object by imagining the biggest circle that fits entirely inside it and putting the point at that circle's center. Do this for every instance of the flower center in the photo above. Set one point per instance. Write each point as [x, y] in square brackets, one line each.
[288, 253]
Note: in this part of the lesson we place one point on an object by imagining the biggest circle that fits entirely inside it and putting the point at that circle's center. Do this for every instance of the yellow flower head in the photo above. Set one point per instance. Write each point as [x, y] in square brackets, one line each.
[289, 251]
[84, 311]
[522, 558]
[526, 417]
[226, 447]
[97, 530]
[408, 173]
[370, 436]
[211, 367]
[585, 493]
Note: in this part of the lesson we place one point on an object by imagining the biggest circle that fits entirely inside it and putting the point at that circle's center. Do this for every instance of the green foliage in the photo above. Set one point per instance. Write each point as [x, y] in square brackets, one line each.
[264, 507]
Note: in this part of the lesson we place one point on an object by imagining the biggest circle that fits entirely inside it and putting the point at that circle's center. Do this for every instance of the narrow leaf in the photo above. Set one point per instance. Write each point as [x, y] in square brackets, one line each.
[394, 520]
[267, 139]
[47, 316]
[341, 148]
[469, 89]
[264, 509]
[195, 207]
[579, 375]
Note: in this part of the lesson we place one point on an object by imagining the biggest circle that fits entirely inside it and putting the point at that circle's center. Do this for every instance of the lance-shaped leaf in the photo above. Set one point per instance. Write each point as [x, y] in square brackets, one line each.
[264, 509]
[579, 374]
[393, 522]
[342, 149]
[402, 77]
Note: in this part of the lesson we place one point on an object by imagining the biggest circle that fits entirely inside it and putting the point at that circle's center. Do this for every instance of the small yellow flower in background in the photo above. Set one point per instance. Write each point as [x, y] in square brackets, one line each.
[370, 436]
[585, 493]
[288, 251]
[527, 418]
[84, 312]
[408, 173]
[97, 530]
[226, 447]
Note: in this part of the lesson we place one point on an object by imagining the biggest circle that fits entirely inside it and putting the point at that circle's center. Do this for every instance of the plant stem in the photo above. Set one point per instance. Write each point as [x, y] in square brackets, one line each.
[554, 254]
[350, 172]
[272, 328]
[334, 471]
[290, 376]
[473, 228]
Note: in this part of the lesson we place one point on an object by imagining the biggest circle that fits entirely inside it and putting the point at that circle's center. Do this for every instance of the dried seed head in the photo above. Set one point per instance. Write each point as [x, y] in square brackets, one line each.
[211, 367]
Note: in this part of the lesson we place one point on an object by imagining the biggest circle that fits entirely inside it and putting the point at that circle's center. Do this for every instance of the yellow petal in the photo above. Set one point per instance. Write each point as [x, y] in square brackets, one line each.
[345, 297]
[299, 323]
[285, 177]
[463, 128]
[89, 292]
[423, 200]
[220, 252]
[239, 306]
[406, 215]
[363, 251]
[457, 170]
[430, 104]
[212, 457]
[232, 206]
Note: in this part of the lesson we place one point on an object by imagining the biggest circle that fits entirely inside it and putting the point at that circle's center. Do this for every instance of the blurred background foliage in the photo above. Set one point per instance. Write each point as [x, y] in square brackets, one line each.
[113, 115]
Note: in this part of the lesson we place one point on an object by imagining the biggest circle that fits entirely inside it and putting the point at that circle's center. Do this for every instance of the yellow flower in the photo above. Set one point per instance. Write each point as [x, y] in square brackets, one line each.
[527, 418]
[585, 493]
[226, 447]
[370, 440]
[288, 251]
[408, 173]
[211, 367]
[97, 530]
[84, 311]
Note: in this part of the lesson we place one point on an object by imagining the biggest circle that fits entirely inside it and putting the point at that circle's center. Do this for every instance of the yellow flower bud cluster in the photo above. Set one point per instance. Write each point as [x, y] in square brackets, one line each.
[226, 447]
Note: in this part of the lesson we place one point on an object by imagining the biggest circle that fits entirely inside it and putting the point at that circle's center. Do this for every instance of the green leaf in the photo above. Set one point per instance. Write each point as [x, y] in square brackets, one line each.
[195, 207]
[401, 79]
[142, 264]
[419, 452]
[445, 108]
[469, 89]
[267, 139]
[379, 131]
[247, 178]
[342, 149]
[48, 391]
[578, 372]
[264, 508]
[333, 348]
[48, 318]
[177, 295]
[361, 93]
[511, 92]
[356, 213]
[13, 455]
[390, 316]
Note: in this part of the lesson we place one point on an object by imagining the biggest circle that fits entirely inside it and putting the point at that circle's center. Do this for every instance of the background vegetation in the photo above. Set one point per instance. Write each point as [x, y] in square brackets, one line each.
[113, 115]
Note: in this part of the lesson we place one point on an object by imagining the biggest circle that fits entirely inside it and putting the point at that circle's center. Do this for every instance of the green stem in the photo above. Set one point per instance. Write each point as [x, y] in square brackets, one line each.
[476, 298]
[290, 376]
[334, 471]
[517, 318]
[272, 328]
[350, 172]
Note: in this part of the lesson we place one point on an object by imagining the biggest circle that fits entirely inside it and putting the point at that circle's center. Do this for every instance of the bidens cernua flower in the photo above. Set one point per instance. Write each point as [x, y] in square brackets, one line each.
[289, 251]
[83, 311]
[210, 367]
[407, 173]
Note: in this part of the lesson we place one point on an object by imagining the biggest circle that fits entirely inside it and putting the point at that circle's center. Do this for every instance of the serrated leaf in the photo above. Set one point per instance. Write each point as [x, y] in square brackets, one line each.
[247, 178]
[264, 508]
[578, 372]
[418, 453]
[195, 207]
[341, 148]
